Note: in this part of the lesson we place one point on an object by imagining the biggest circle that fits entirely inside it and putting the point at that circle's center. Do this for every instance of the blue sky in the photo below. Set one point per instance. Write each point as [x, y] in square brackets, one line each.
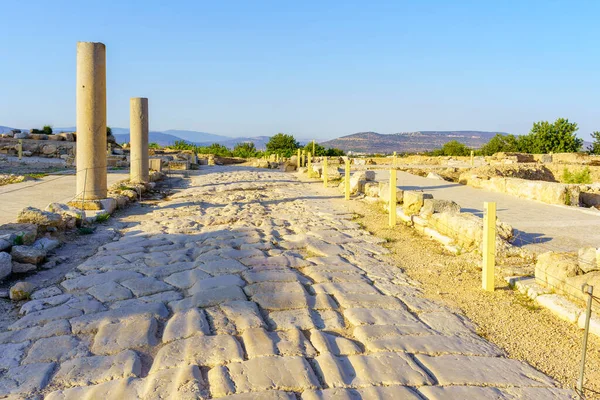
[317, 69]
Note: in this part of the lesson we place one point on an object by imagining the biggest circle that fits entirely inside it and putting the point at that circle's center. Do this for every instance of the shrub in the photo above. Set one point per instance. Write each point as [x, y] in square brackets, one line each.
[47, 129]
[582, 177]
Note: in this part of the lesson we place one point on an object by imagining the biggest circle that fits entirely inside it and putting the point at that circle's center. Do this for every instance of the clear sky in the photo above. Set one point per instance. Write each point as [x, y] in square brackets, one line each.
[317, 69]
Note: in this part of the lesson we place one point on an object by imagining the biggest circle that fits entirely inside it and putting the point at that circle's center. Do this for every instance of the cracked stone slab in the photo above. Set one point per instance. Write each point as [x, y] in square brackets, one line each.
[490, 371]
[375, 392]
[57, 348]
[243, 314]
[266, 288]
[433, 344]
[206, 351]
[278, 301]
[222, 267]
[182, 383]
[512, 393]
[54, 328]
[334, 277]
[209, 298]
[283, 275]
[92, 322]
[268, 395]
[336, 345]
[216, 282]
[25, 379]
[357, 300]
[98, 369]
[290, 319]
[263, 373]
[110, 291]
[133, 333]
[11, 354]
[344, 287]
[146, 286]
[45, 316]
[185, 324]
[358, 371]
[117, 389]
[45, 303]
[49, 291]
[186, 279]
[447, 323]
[162, 297]
[87, 281]
[378, 316]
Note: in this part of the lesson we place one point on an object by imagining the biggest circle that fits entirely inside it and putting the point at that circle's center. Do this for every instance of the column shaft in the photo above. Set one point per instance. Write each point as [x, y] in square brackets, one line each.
[138, 134]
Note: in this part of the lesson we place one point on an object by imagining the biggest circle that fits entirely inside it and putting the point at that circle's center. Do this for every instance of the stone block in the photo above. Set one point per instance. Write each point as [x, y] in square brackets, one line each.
[20, 291]
[98, 369]
[553, 269]
[373, 392]
[367, 370]
[336, 345]
[5, 265]
[56, 349]
[431, 206]
[292, 374]
[134, 333]
[413, 201]
[12, 353]
[28, 254]
[20, 268]
[589, 259]
[560, 307]
[110, 291]
[32, 215]
[25, 380]
[483, 371]
[185, 324]
[209, 298]
[145, 286]
[207, 351]
[182, 383]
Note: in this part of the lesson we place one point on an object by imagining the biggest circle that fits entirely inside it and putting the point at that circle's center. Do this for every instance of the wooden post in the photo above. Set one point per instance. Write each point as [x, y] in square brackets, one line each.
[347, 179]
[394, 160]
[393, 200]
[298, 160]
[314, 153]
[489, 246]
[308, 164]
[20, 148]
[325, 176]
[302, 162]
[472, 158]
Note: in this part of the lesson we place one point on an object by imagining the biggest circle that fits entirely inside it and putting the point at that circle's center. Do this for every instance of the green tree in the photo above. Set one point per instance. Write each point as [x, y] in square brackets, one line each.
[595, 147]
[282, 144]
[333, 152]
[558, 137]
[500, 143]
[453, 148]
[47, 129]
[108, 131]
[319, 150]
[154, 145]
[244, 150]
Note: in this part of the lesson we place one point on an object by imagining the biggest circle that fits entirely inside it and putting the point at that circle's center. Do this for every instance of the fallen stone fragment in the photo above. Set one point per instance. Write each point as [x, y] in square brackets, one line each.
[27, 254]
[20, 291]
[6, 266]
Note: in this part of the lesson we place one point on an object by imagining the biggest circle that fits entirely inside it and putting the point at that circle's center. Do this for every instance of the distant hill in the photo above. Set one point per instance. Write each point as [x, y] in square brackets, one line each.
[197, 137]
[409, 142]
[153, 137]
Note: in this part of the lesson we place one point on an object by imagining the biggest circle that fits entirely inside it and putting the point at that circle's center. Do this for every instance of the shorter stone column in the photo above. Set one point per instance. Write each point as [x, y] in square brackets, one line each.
[138, 131]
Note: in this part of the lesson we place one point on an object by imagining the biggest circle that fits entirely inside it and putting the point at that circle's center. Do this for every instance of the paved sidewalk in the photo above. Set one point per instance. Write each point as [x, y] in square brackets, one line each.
[548, 227]
[41, 192]
[250, 285]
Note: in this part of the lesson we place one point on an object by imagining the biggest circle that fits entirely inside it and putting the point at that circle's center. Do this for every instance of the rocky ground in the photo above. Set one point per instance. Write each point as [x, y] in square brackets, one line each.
[253, 284]
[15, 170]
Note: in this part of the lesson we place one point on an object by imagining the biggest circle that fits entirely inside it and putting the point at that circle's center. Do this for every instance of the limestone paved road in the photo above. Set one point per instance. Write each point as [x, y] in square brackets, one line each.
[541, 227]
[239, 287]
[40, 193]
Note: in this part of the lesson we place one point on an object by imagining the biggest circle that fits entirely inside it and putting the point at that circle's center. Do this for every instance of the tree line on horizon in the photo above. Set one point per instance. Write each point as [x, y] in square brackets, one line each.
[282, 144]
[544, 137]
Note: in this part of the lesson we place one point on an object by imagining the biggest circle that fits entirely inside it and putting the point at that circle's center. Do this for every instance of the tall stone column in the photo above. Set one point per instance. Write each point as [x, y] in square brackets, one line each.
[138, 136]
[91, 121]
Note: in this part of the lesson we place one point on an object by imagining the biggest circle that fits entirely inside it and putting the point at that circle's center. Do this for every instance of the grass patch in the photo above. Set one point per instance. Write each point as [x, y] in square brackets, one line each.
[85, 230]
[36, 175]
[102, 217]
[525, 302]
[18, 240]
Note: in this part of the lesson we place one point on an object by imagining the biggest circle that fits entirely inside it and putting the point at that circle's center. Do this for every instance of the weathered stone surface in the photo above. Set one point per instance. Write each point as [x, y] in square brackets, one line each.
[145, 286]
[379, 392]
[11, 354]
[32, 215]
[289, 319]
[92, 322]
[470, 370]
[185, 324]
[216, 282]
[431, 206]
[336, 345]
[98, 369]
[413, 201]
[268, 395]
[206, 351]
[447, 323]
[553, 269]
[27, 254]
[560, 307]
[271, 276]
[58, 348]
[344, 287]
[54, 328]
[243, 314]
[87, 281]
[222, 267]
[266, 288]
[5, 265]
[25, 379]
[260, 374]
[134, 333]
[19, 268]
[589, 259]
[366, 370]
[183, 383]
[358, 300]
[110, 291]
[46, 244]
[45, 316]
[208, 298]
[42, 304]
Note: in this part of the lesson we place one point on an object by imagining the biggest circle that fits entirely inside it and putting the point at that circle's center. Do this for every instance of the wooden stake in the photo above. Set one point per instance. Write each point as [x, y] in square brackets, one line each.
[489, 246]
[347, 179]
[393, 200]
[325, 176]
